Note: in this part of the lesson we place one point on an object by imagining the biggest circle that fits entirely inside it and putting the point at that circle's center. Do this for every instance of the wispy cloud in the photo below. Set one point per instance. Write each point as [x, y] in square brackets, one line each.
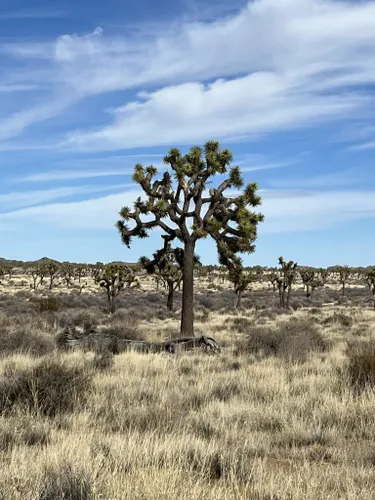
[14, 200]
[365, 146]
[7, 89]
[328, 181]
[285, 211]
[66, 175]
[280, 88]
[33, 13]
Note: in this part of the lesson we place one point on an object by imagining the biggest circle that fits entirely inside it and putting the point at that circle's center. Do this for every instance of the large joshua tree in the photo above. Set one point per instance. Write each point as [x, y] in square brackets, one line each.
[184, 210]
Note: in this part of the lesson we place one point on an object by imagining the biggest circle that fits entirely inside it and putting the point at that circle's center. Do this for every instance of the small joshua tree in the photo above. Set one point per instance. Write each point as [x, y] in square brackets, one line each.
[237, 274]
[8, 269]
[67, 272]
[323, 275]
[288, 275]
[344, 274]
[38, 273]
[52, 268]
[113, 279]
[34, 271]
[173, 204]
[308, 279]
[167, 265]
[273, 278]
[80, 270]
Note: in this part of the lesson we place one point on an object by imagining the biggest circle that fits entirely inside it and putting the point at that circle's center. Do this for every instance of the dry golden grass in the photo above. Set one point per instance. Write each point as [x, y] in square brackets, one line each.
[193, 426]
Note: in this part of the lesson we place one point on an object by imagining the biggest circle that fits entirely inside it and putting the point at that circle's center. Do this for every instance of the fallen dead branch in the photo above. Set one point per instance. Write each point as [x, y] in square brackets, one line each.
[99, 342]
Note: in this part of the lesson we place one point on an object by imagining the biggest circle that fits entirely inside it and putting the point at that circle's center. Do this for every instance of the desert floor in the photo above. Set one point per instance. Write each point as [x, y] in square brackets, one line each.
[286, 411]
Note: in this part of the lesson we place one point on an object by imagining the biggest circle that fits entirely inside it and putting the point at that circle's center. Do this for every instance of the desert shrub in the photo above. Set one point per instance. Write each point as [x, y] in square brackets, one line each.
[48, 304]
[291, 340]
[205, 301]
[225, 390]
[315, 311]
[87, 318]
[338, 318]
[24, 333]
[21, 340]
[65, 482]
[297, 304]
[202, 315]
[126, 328]
[13, 306]
[49, 387]
[22, 431]
[241, 324]
[360, 368]
[153, 298]
[220, 465]
[103, 360]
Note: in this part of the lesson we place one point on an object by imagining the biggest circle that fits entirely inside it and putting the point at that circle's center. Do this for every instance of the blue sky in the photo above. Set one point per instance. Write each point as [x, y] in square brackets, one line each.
[89, 88]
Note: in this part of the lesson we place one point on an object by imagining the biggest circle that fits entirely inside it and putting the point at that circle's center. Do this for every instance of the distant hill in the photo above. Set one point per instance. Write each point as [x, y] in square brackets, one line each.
[16, 263]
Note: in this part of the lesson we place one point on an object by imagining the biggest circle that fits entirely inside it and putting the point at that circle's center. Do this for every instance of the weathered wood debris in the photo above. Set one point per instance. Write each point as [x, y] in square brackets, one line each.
[99, 342]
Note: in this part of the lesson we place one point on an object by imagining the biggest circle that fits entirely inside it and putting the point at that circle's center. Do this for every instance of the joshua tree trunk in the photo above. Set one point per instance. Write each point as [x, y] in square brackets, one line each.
[239, 298]
[308, 291]
[343, 289]
[288, 296]
[111, 301]
[187, 313]
[170, 296]
[51, 283]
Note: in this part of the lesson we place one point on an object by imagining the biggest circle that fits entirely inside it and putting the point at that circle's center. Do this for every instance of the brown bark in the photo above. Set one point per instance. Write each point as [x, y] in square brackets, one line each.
[170, 296]
[239, 298]
[187, 313]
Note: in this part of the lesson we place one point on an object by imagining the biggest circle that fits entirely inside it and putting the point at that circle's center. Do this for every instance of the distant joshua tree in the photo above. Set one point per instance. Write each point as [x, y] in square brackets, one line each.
[310, 280]
[288, 273]
[183, 209]
[273, 278]
[114, 278]
[344, 275]
[323, 275]
[167, 265]
[67, 272]
[52, 268]
[237, 274]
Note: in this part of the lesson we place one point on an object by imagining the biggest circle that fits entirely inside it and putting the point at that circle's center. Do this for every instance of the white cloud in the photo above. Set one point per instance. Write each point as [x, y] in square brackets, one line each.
[296, 59]
[191, 112]
[285, 211]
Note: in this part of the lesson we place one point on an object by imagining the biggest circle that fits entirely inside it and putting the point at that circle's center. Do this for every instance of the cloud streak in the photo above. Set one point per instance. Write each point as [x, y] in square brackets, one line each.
[15, 200]
[285, 211]
[35, 13]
